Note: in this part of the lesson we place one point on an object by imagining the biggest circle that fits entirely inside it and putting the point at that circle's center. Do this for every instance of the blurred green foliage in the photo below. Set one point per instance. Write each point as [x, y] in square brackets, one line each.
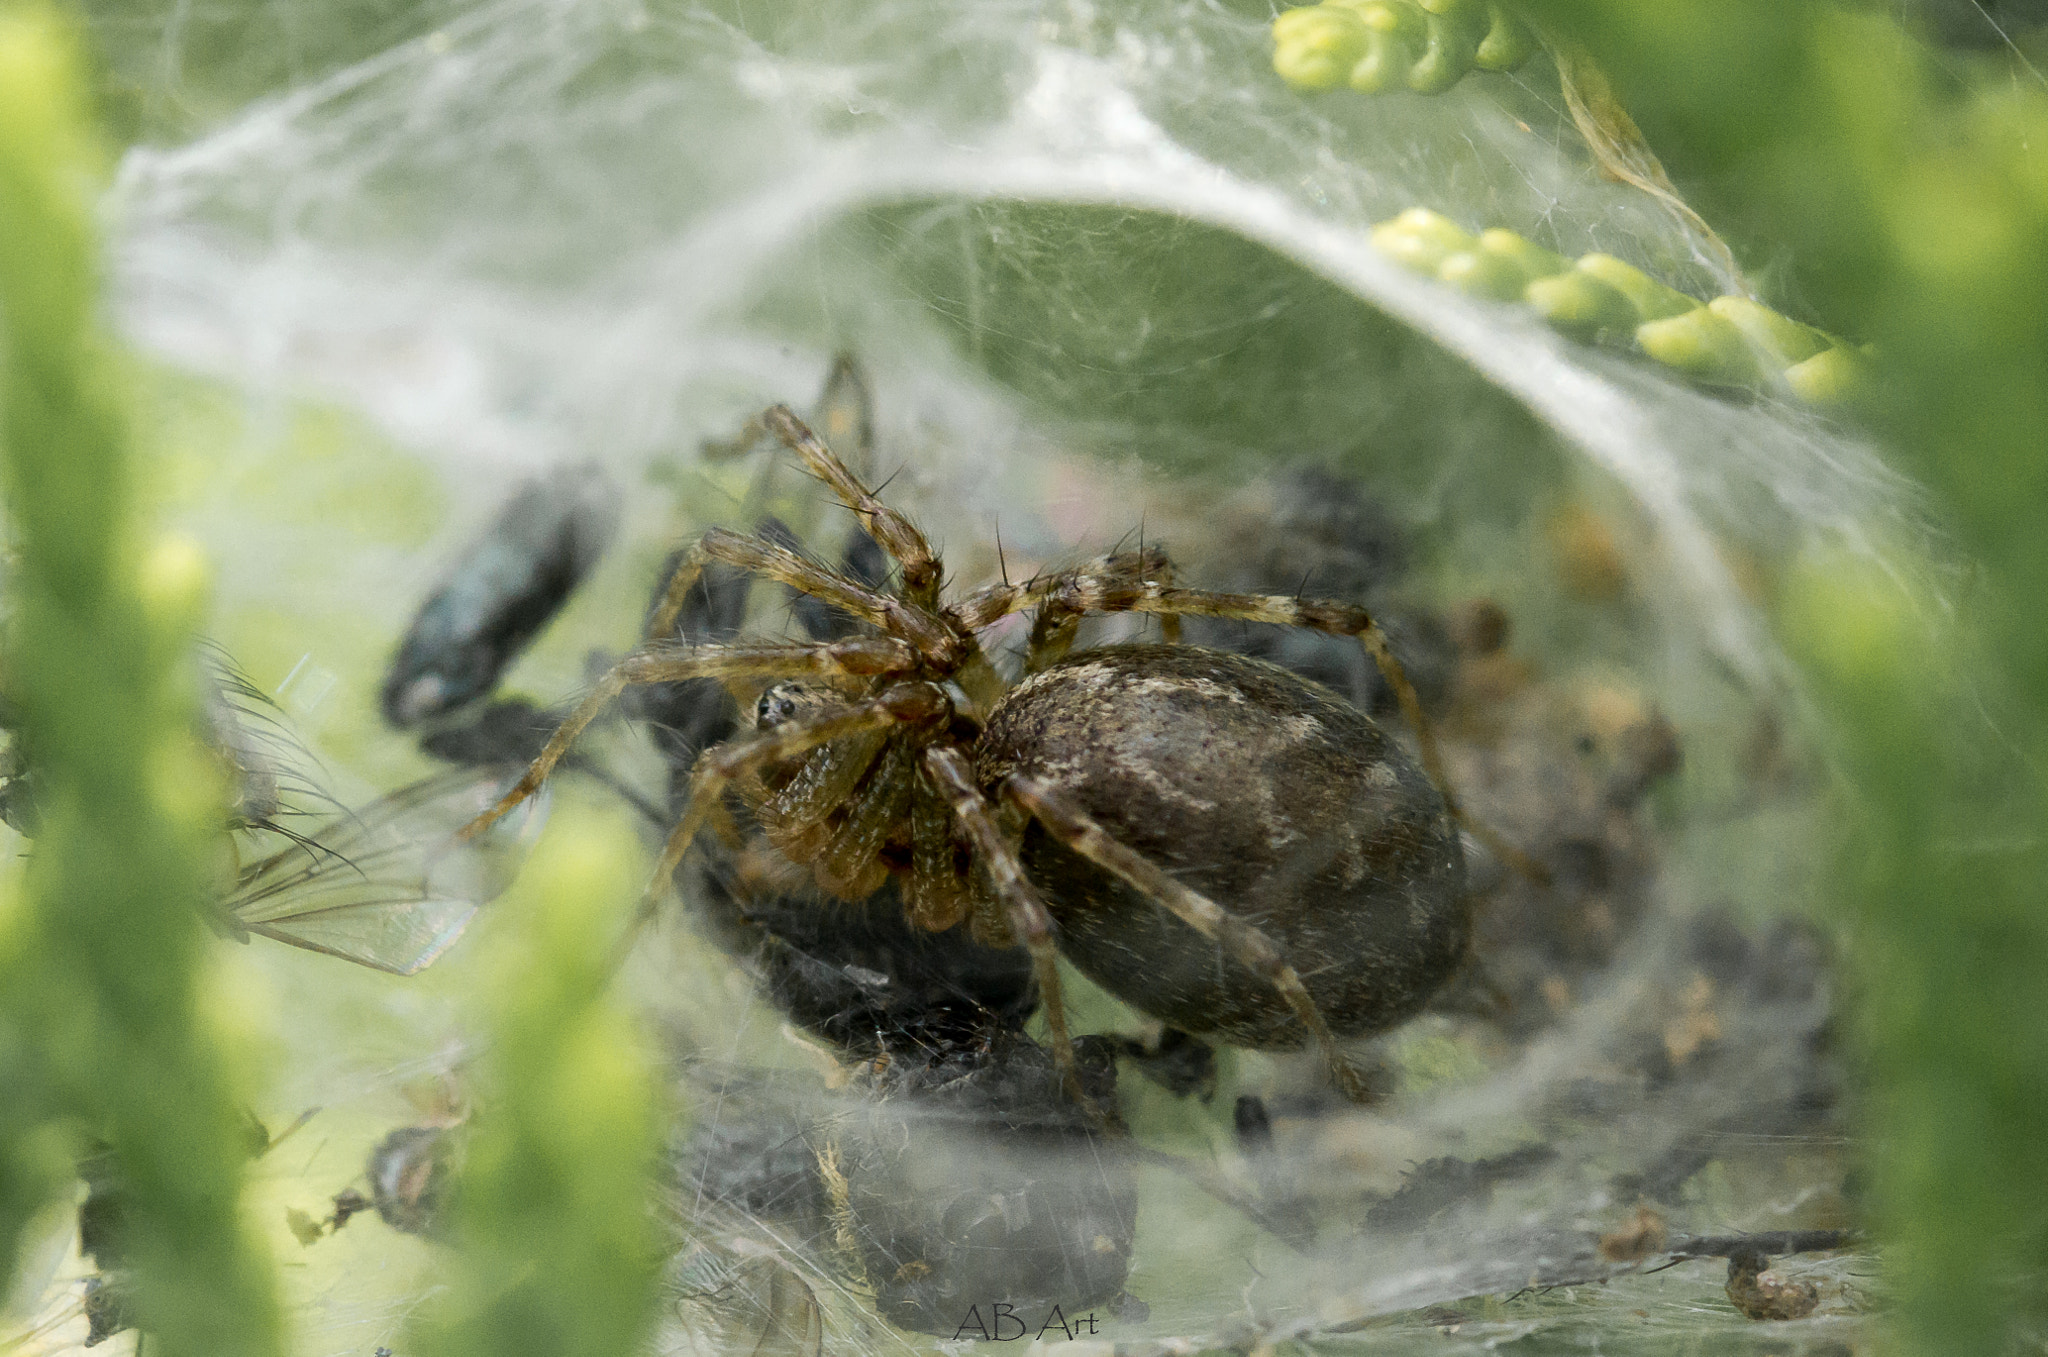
[105, 1027]
[554, 1215]
[1909, 190]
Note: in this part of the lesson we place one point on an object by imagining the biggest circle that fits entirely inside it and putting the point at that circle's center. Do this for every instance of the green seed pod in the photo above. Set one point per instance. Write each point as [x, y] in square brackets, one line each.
[1650, 298]
[1580, 304]
[1421, 239]
[1508, 42]
[1701, 344]
[1783, 339]
[1316, 46]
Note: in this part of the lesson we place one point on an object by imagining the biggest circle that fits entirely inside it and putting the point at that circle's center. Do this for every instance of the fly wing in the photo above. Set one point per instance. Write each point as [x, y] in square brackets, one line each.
[387, 886]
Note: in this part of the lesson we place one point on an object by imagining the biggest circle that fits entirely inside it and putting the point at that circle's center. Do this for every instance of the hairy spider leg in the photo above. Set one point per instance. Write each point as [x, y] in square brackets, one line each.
[774, 561]
[793, 816]
[1052, 630]
[845, 408]
[935, 896]
[1338, 619]
[719, 766]
[1082, 833]
[1029, 919]
[890, 529]
[993, 602]
[858, 657]
[850, 865]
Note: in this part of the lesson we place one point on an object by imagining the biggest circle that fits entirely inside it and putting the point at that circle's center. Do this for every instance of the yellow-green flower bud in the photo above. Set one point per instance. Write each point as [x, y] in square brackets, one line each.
[1316, 47]
[1701, 344]
[1508, 42]
[1785, 340]
[1828, 378]
[1533, 260]
[1421, 239]
[1398, 17]
[1446, 57]
[1579, 304]
[1388, 59]
[1482, 273]
[1651, 299]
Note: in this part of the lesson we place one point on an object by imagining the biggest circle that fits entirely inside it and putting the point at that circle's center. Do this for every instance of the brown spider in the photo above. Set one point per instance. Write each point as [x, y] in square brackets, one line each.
[1135, 807]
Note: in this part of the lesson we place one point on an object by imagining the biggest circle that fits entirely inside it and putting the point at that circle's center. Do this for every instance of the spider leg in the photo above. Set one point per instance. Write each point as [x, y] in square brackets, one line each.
[895, 533]
[1029, 918]
[794, 816]
[857, 657]
[935, 895]
[1338, 619]
[1054, 628]
[1080, 832]
[718, 766]
[762, 557]
[992, 603]
[850, 865]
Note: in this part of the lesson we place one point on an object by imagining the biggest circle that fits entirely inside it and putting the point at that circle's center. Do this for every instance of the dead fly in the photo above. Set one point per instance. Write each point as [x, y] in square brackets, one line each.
[500, 593]
[384, 886]
[380, 885]
[410, 1173]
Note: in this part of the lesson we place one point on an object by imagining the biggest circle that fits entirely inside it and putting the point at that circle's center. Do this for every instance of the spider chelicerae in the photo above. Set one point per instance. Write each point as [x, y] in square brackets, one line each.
[1227, 846]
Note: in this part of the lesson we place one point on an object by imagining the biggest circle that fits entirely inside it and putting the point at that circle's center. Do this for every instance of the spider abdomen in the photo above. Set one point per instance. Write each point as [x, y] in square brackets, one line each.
[1267, 793]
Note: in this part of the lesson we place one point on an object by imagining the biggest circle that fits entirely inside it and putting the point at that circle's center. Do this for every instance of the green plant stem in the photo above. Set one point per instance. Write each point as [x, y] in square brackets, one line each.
[104, 963]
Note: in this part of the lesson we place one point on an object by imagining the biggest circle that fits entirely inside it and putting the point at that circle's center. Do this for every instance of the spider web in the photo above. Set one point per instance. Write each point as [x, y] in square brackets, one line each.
[1106, 271]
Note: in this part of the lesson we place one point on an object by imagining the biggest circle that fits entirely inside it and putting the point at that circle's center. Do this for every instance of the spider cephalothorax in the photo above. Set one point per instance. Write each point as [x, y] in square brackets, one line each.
[1226, 845]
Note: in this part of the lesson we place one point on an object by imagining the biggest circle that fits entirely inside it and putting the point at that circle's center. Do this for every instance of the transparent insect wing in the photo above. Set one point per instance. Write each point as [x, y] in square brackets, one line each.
[273, 772]
[387, 886]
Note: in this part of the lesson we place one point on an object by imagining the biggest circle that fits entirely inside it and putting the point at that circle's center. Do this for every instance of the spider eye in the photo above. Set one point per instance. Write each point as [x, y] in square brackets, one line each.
[777, 706]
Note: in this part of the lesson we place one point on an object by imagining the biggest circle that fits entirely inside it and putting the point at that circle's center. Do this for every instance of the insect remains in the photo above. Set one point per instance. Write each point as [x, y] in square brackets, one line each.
[1227, 846]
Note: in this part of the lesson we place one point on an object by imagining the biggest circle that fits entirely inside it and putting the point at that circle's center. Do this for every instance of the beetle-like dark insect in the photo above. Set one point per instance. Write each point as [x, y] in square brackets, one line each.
[1225, 845]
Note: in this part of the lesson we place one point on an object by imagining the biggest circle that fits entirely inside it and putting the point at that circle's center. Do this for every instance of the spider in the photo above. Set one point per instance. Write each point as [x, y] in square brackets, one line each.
[1225, 845]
